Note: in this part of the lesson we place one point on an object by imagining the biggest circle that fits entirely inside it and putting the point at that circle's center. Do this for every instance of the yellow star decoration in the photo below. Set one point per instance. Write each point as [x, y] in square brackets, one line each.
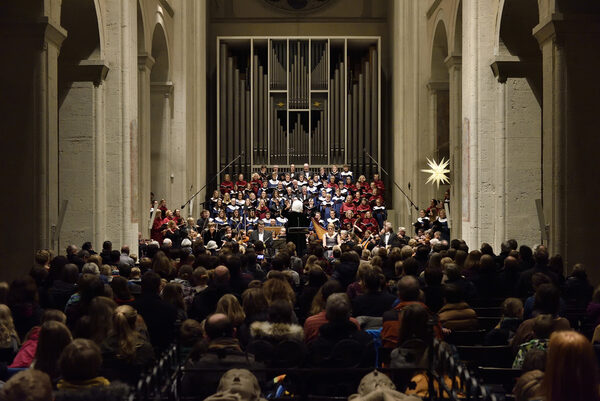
[437, 171]
[280, 104]
[316, 104]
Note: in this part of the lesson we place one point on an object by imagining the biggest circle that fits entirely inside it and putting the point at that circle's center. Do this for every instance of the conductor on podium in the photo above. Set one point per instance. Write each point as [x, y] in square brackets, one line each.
[297, 225]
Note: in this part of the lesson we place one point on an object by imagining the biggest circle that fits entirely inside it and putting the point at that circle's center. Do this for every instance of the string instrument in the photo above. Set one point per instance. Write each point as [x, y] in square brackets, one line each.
[318, 229]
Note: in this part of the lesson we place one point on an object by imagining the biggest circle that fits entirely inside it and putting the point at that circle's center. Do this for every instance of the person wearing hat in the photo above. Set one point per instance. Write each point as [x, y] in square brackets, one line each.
[212, 247]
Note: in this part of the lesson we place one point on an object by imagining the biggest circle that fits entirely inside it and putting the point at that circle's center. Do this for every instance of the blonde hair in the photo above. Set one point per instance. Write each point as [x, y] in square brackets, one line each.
[7, 326]
[128, 338]
[275, 288]
[230, 306]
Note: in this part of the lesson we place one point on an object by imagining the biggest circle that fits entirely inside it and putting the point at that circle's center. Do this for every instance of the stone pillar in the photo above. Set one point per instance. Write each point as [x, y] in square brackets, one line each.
[201, 90]
[571, 60]
[28, 138]
[81, 151]
[161, 139]
[454, 64]
[145, 63]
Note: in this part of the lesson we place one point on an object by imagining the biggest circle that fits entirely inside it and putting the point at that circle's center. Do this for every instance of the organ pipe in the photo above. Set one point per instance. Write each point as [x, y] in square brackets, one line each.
[291, 100]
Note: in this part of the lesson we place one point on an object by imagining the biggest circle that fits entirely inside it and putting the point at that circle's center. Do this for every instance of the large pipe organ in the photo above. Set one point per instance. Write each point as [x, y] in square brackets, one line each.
[284, 100]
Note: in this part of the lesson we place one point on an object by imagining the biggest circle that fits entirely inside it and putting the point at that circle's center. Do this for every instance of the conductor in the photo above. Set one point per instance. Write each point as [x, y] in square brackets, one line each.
[297, 225]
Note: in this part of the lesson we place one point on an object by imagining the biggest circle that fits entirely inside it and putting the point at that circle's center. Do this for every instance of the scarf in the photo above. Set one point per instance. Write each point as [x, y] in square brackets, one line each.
[76, 385]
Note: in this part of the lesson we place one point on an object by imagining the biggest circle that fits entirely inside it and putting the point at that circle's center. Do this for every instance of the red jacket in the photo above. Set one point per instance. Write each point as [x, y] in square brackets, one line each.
[226, 187]
[346, 207]
[26, 354]
[240, 185]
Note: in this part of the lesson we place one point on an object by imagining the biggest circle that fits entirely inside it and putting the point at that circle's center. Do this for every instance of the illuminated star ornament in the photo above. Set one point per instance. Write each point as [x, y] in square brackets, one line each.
[437, 171]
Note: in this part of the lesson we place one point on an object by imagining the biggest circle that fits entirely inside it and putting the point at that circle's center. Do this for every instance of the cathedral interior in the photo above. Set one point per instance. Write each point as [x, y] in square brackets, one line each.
[481, 114]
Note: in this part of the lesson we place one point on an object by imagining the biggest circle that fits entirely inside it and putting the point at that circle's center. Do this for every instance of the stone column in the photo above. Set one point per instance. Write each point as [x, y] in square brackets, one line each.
[81, 151]
[28, 138]
[454, 64]
[571, 60]
[145, 63]
[161, 139]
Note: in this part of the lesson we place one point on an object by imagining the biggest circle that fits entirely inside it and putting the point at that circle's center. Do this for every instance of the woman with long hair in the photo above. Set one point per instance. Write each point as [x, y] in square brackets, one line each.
[571, 369]
[126, 352]
[9, 339]
[229, 305]
[98, 322]
[173, 294]
[54, 337]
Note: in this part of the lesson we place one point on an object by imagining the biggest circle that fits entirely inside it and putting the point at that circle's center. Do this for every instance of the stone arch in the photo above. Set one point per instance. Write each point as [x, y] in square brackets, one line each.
[160, 53]
[439, 91]
[457, 37]
[439, 52]
[141, 29]
[160, 114]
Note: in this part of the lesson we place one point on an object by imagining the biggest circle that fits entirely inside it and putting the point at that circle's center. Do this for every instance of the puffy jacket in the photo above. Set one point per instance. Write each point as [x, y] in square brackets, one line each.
[26, 354]
[459, 316]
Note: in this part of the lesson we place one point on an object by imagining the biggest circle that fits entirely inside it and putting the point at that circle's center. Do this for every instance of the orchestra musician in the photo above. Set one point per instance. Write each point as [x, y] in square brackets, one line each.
[260, 235]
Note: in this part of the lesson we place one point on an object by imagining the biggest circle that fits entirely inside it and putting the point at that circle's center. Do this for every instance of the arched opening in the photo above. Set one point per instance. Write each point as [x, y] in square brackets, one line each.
[439, 102]
[518, 67]
[145, 63]
[160, 115]
[80, 73]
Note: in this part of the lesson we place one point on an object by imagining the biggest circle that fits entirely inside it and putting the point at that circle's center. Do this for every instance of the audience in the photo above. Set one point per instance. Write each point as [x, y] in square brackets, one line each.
[217, 291]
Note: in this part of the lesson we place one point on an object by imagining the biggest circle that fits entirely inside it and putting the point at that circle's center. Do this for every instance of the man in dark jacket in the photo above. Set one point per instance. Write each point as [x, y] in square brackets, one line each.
[339, 328]
[159, 315]
[222, 353]
[205, 302]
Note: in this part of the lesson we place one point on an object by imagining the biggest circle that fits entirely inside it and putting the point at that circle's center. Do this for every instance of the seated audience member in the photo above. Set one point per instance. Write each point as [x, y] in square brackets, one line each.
[121, 293]
[23, 302]
[79, 365]
[512, 317]
[27, 351]
[593, 308]
[54, 337]
[190, 333]
[205, 302]
[172, 294]
[456, 314]
[97, 323]
[542, 328]
[222, 352]
[408, 293]
[255, 309]
[279, 326]
[28, 385]
[455, 277]
[547, 299]
[414, 339]
[9, 340]
[375, 301]
[230, 306]
[571, 369]
[159, 315]
[434, 291]
[338, 328]
[319, 318]
[577, 288]
[315, 278]
[62, 288]
[126, 353]
[528, 307]
[528, 386]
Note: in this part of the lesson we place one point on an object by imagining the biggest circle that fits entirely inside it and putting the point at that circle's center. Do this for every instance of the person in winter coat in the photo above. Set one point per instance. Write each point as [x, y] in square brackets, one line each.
[456, 314]
[279, 327]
